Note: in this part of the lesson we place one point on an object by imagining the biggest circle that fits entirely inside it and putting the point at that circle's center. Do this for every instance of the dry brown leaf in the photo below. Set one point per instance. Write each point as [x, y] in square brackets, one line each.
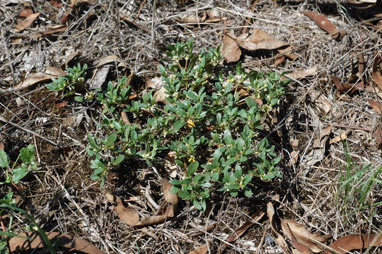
[294, 157]
[288, 53]
[161, 95]
[279, 60]
[249, 223]
[109, 197]
[302, 73]
[355, 242]
[326, 131]
[376, 74]
[193, 18]
[149, 233]
[321, 102]
[157, 83]
[302, 235]
[51, 30]
[280, 240]
[127, 214]
[377, 106]
[71, 57]
[25, 13]
[75, 2]
[203, 249]
[26, 22]
[156, 219]
[300, 248]
[56, 3]
[231, 50]
[214, 16]
[168, 196]
[322, 22]
[258, 39]
[344, 87]
[377, 78]
[50, 70]
[60, 240]
[377, 134]
[339, 138]
[107, 60]
[31, 80]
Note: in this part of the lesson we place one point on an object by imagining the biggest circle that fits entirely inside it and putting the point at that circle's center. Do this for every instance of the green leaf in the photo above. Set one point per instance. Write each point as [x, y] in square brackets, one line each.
[228, 137]
[7, 199]
[4, 161]
[178, 125]
[79, 98]
[192, 168]
[52, 86]
[19, 173]
[197, 205]
[248, 193]
[184, 194]
[111, 139]
[174, 190]
[118, 160]
[27, 154]
[215, 176]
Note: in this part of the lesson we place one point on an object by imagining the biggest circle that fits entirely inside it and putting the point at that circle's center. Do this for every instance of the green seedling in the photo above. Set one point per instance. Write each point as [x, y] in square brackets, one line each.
[71, 84]
[15, 172]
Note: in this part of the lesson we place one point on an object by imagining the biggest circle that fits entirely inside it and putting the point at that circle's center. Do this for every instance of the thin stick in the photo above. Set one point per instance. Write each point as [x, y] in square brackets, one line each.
[27, 130]
[349, 127]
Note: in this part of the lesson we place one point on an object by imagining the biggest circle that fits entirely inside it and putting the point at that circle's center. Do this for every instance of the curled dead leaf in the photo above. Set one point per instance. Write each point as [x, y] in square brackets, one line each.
[322, 22]
[258, 39]
[376, 72]
[203, 249]
[299, 247]
[339, 138]
[355, 242]
[302, 73]
[32, 79]
[51, 30]
[230, 49]
[18, 244]
[107, 60]
[280, 240]
[26, 22]
[161, 95]
[50, 70]
[25, 12]
[377, 134]
[344, 87]
[249, 223]
[193, 18]
[376, 106]
[294, 229]
[127, 214]
[168, 196]
[109, 197]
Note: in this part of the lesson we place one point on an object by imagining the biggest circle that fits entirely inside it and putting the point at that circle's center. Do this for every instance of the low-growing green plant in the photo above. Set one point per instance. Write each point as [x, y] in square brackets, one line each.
[14, 173]
[115, 96]
[72, 84]
[356, 185]
[211, 120]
